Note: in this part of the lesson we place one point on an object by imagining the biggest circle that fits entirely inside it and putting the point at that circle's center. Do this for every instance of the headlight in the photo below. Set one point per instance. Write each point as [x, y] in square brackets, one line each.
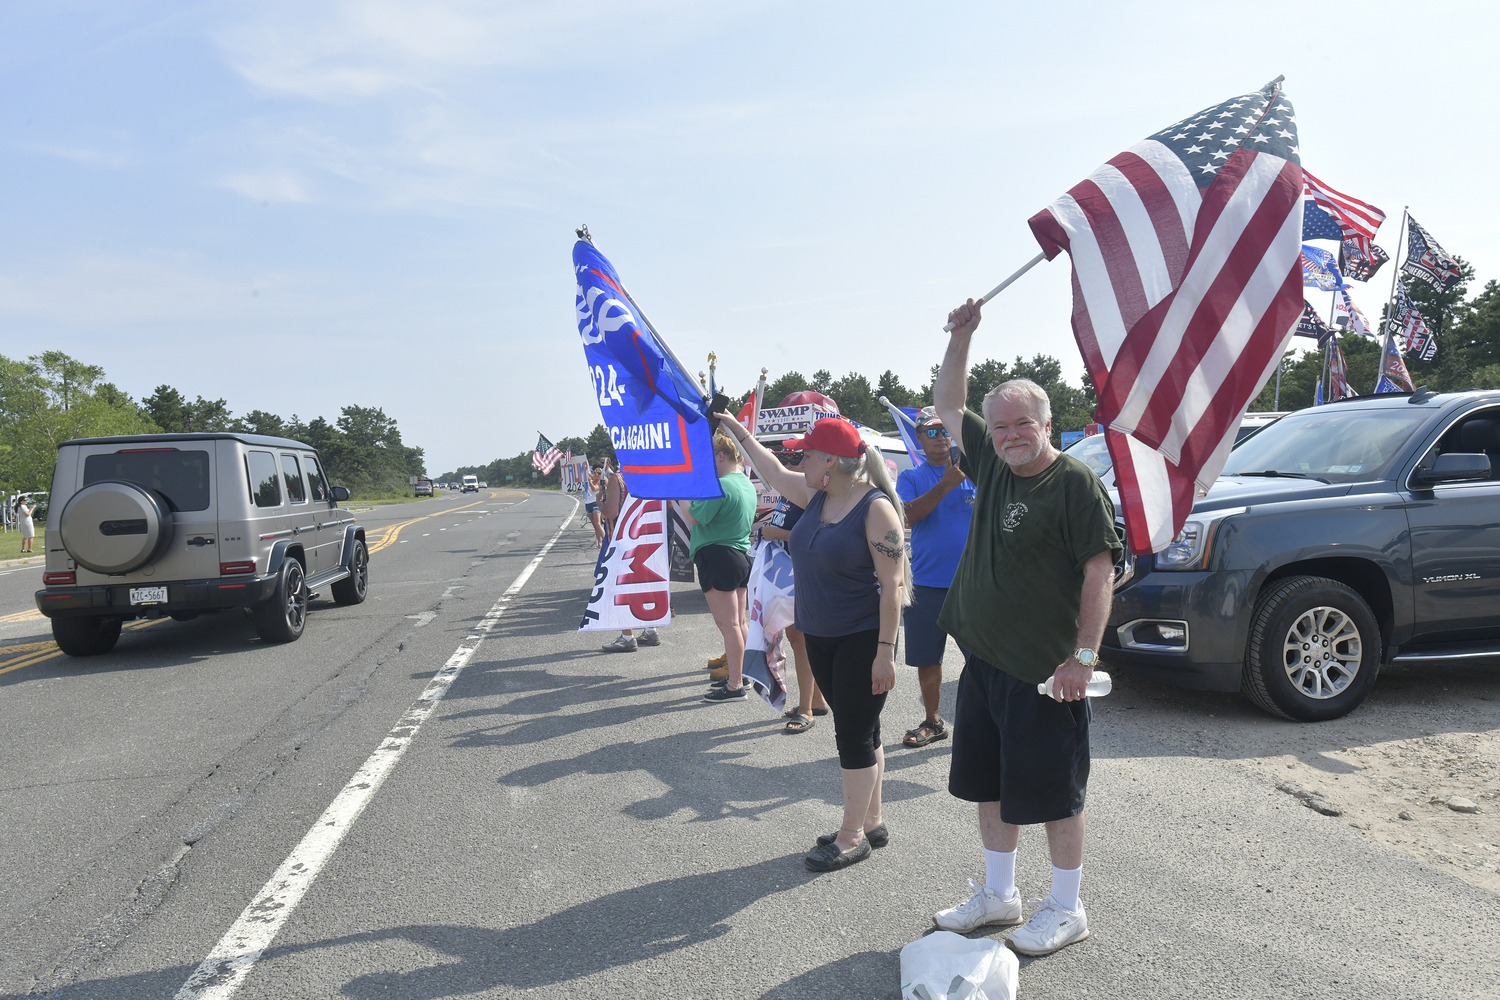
[1191, 548]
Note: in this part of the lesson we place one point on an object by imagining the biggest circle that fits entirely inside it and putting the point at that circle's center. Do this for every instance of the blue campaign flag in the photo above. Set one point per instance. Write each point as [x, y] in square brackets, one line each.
[1320, 270]
[1318, 224]
[906, 424]
[1318, 394]
[657, 419]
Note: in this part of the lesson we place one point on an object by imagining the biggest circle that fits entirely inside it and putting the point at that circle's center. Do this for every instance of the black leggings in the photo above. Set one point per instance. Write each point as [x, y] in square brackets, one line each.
[841, 666]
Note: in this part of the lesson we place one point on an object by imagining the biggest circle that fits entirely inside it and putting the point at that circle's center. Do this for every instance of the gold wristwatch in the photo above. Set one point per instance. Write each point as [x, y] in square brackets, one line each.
[1086, 657]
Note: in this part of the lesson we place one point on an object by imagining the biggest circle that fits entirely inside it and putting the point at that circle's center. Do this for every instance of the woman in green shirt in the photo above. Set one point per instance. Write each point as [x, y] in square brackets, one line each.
[720, 547]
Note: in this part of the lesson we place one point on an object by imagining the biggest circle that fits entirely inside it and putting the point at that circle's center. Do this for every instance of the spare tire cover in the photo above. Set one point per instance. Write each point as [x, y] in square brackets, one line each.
[114, 527]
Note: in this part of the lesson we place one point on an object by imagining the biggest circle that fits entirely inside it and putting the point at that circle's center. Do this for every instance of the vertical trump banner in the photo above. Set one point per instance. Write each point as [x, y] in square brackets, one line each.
[630, 579]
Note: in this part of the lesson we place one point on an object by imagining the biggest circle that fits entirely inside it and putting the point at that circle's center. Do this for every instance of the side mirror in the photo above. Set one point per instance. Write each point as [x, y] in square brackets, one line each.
[1454, 467]
[341, 494]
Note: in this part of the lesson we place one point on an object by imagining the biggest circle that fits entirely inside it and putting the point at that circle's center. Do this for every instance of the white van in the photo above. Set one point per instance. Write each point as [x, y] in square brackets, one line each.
[471, 484]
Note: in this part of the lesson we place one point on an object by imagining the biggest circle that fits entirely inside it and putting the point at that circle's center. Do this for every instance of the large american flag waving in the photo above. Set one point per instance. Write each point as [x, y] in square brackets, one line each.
[1187, 288]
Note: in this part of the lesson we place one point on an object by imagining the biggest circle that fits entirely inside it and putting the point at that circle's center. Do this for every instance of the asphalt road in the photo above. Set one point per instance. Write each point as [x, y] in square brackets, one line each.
[569, 823]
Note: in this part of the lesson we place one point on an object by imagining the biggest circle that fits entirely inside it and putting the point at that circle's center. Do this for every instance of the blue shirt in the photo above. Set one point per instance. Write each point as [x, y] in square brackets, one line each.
[937, 541]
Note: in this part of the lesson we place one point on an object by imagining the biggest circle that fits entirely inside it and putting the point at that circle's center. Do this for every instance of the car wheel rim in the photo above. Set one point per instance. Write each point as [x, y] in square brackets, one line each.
[361, 569]
[1322, 653]
[296, 599]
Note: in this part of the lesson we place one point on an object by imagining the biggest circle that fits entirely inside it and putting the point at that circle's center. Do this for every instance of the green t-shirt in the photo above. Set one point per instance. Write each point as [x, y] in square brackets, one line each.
[1014, 600]
[724, 520]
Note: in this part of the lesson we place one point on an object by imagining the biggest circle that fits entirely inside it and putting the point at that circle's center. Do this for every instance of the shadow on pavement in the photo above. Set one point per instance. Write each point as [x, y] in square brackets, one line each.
[868, 974]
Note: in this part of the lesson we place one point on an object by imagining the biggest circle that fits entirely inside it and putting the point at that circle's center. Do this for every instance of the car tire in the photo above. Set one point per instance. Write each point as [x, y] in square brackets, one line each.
[352, 589]
[283, 616]
[1314, 650]
[86, 635]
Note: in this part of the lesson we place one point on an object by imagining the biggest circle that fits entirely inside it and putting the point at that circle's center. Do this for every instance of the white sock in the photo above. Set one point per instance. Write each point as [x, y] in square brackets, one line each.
[1065, 886]
[1000, 872]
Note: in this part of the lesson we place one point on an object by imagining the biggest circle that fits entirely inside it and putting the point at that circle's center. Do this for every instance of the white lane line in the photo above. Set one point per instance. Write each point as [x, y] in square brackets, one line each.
[231, 960]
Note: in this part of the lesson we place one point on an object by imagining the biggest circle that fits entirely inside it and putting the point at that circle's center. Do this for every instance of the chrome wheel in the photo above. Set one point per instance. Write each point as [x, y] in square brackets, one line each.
[361, 569]
[1322, 652]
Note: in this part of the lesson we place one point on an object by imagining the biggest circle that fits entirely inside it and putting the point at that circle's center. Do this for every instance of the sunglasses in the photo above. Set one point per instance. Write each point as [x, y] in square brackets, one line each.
[933, 432]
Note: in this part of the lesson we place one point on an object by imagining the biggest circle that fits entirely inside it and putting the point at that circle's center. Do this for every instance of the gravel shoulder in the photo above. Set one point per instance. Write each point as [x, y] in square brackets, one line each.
[1398, 769]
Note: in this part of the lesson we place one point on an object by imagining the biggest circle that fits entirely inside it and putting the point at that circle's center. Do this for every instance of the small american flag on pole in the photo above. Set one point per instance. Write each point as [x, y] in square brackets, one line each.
[545, 456]
[1187, 287]
[1356, 218]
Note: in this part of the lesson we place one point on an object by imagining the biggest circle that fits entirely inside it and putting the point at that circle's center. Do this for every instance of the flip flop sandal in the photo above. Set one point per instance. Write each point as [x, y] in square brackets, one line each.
[927, 732]
[798, 724]
[821, 711]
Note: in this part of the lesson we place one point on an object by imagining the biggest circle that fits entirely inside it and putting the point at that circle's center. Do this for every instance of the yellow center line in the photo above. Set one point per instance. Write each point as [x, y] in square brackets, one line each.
[388, 535]
[22, 616]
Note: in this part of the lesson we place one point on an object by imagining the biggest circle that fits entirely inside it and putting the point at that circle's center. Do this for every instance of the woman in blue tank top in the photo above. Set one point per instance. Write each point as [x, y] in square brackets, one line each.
[853, 577]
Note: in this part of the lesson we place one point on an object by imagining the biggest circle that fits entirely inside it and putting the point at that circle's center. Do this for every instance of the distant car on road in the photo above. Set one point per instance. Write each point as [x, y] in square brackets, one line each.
[483, 485]
[471, 484]
[423, 488]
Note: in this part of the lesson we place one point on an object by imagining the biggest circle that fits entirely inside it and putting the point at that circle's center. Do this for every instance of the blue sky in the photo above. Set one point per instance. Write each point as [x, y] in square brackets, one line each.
[300, 205]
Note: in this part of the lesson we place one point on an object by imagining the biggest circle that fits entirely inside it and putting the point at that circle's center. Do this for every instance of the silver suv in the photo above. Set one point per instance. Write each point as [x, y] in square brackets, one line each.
[186, 524]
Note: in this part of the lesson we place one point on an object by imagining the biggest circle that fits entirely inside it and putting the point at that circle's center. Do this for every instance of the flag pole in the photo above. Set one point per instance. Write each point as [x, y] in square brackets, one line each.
[1033, 262]
[1390, 306]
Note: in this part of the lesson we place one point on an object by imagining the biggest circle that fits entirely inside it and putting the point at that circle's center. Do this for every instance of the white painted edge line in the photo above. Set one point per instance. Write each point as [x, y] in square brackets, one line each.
[230, 961]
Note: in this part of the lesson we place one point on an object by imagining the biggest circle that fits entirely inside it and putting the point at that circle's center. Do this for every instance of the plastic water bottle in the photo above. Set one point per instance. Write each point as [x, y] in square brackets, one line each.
[1099, 685]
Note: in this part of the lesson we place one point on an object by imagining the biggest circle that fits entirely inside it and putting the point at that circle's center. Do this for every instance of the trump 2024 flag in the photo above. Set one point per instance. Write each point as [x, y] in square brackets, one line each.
[655, 414]
[1187, 288]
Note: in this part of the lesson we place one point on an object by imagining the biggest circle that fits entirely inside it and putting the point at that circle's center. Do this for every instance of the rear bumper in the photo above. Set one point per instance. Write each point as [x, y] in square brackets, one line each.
[182, 595]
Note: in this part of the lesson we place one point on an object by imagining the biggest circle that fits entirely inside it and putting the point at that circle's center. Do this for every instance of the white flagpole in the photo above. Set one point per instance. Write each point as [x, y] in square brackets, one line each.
[1033, 262]
[1390, 307]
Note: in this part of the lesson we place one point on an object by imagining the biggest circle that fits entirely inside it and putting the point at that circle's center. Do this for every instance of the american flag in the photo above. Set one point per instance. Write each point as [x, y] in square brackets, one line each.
[1393, 374]
[1187, 287]
[1338, 376]
[1358, 219]
[545, 456]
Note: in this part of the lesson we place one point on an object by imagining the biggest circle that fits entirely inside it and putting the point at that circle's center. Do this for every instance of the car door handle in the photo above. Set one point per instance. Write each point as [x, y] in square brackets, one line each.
[199, 541]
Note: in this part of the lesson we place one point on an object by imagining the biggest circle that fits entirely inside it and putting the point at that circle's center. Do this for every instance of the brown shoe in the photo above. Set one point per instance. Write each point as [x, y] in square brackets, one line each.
[718, 673]
[718, 662]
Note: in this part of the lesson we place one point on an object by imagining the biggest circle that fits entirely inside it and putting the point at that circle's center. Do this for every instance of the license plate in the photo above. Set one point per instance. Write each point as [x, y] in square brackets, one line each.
[148, 595]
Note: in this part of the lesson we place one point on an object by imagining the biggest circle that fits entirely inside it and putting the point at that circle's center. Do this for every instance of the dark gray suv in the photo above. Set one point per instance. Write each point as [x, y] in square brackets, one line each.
[1340, 538]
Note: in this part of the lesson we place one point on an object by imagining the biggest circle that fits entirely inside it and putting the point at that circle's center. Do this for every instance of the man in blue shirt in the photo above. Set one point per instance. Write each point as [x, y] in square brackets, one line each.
[939, 501]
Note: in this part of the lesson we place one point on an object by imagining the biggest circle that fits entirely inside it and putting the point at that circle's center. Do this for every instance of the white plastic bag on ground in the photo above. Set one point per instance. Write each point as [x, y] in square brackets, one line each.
[947, 966]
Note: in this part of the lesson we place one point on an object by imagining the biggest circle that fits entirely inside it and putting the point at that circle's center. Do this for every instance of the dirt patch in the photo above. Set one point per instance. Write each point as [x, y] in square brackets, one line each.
[1398, 769]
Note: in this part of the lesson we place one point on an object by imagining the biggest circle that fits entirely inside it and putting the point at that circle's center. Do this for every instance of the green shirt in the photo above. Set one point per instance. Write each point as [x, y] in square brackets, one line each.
[725, 520]
[1014, 600]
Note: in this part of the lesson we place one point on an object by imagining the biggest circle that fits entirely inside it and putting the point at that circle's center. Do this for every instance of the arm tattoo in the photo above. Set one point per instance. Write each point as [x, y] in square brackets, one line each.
[891, 551]
[893, 536]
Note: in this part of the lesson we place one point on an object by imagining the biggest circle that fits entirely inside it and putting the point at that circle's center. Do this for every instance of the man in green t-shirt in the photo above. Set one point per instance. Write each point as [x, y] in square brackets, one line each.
[1029, 600]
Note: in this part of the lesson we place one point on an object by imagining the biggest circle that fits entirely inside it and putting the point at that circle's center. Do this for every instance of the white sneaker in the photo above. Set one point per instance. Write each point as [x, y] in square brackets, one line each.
[1051, 928]
[982, 907]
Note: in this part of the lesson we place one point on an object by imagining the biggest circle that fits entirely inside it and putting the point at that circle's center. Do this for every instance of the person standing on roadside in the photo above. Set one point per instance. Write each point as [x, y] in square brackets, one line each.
[1034, 583]
[593, 485]
[719, 545]
[939, 501]
[853, 577]
[24, 509]
[615, 493]
[778, 528]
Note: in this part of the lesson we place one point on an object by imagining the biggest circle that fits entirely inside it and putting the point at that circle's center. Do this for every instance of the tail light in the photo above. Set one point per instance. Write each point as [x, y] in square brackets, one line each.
[236, 568]
[67, 579]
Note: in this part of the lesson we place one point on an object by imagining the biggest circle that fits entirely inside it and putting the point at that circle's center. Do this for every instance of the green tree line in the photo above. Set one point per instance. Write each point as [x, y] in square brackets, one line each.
[51, 397]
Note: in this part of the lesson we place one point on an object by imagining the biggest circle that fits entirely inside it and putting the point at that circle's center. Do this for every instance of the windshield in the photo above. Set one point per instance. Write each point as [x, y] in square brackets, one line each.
[1337, 445]
[1092, 451]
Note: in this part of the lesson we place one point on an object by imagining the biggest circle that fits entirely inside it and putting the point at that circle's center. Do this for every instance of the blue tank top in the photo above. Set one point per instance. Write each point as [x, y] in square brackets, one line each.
[837, 590]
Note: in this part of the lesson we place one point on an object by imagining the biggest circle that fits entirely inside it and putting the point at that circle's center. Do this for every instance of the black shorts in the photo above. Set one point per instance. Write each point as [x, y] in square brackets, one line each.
[1018, 748]
[722, 568]
[925, 639]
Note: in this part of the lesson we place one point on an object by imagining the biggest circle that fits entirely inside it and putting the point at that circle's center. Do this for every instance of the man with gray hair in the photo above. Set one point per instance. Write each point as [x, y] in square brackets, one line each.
[1029, 601]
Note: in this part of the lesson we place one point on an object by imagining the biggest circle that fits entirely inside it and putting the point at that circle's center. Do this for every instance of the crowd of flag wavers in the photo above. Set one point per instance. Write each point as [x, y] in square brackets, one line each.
[1192, 253]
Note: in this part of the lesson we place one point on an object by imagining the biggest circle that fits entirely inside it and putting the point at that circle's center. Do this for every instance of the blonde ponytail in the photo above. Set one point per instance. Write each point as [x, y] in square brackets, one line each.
[870, 468]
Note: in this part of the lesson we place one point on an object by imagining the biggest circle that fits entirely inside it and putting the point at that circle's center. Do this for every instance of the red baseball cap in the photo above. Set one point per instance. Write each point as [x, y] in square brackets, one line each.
[832, 436]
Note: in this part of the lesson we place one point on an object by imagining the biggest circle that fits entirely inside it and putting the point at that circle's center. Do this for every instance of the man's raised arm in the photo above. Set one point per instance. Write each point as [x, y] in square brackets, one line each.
[951, 390]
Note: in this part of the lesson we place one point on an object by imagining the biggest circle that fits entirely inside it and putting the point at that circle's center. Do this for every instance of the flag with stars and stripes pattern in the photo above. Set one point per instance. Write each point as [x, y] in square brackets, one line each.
[1357, 219]
[1187, 288]
[545, 455]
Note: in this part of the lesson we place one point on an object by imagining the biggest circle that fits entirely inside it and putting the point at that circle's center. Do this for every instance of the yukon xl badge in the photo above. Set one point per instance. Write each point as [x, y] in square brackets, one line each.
[1451, 578]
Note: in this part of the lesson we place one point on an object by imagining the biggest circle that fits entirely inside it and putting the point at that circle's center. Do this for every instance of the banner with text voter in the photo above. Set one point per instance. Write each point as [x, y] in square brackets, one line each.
[630, 578]
[654, 411]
